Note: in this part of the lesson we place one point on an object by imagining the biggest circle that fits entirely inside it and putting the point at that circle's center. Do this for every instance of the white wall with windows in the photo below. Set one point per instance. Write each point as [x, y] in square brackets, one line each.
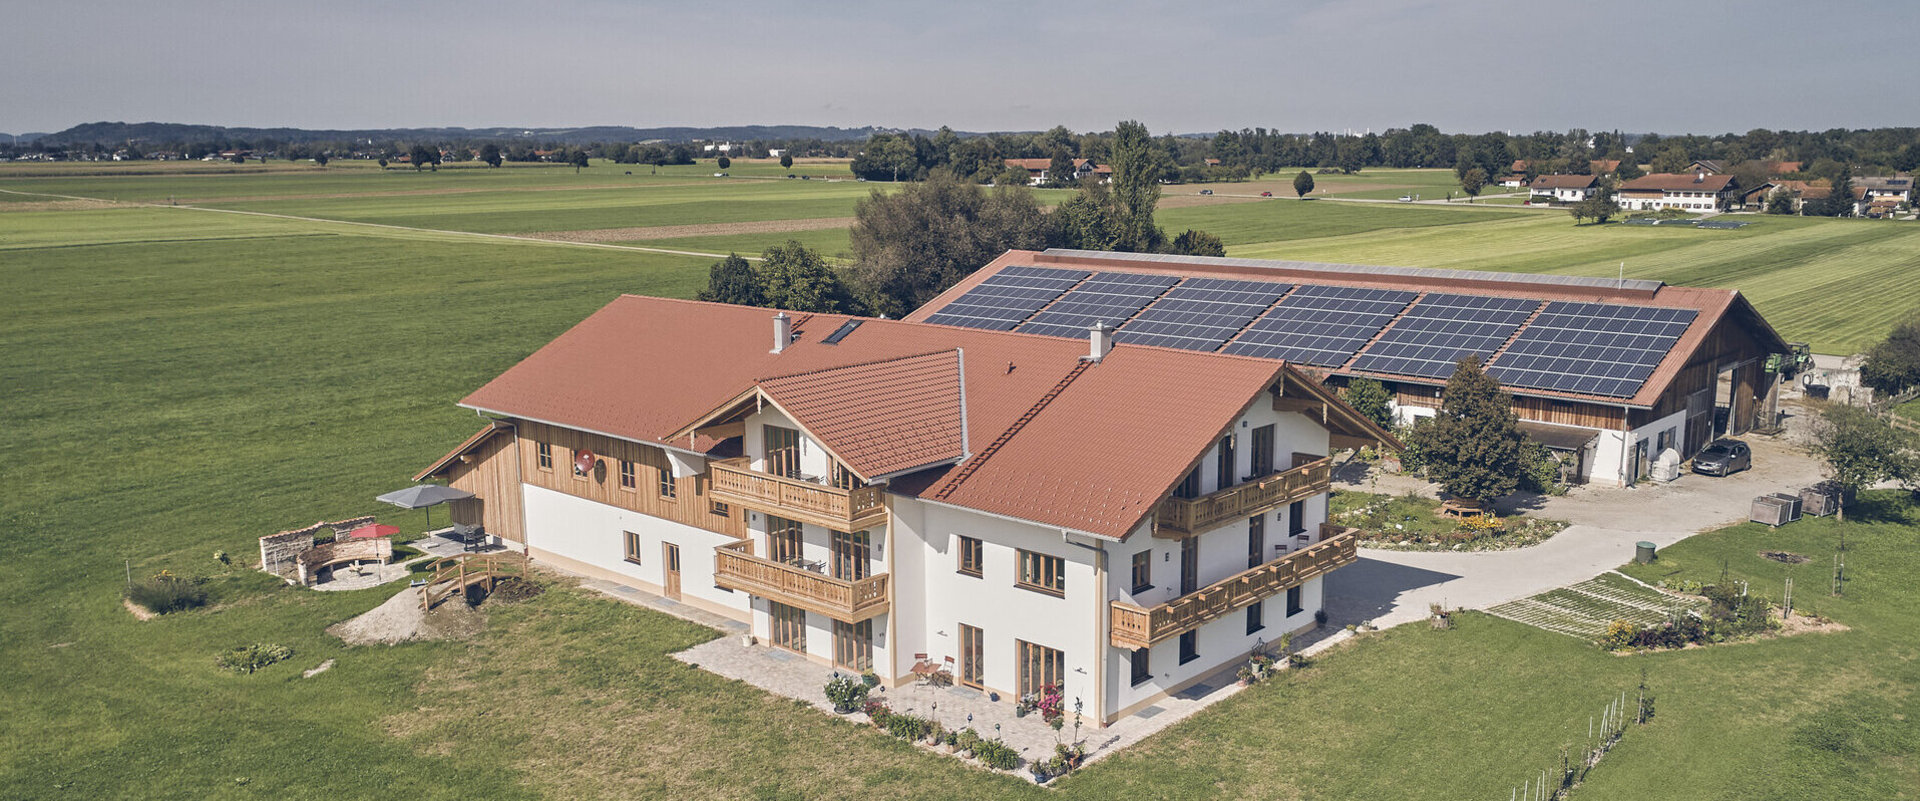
[595, 534]
[1217, 644]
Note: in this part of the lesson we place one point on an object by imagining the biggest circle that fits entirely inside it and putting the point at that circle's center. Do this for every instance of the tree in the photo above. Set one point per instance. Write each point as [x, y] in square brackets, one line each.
[795, 278]
[723, 162]
[1629, 168]
[1473, 447]
[1138, 163]
[320, 158]
[1600, 205]
[1060, 168]
[421, 157]
[912, 244]
[1858, 449]
[1780, 201]
[786, 160]
[383, 163]
[1371, 399]
[1302, 183]
[1198, 243]
[490, 154]
[1893, 365]
[579, 159]
[1671, 159]
[733, 280]
[1839, 199]
[1472, 182]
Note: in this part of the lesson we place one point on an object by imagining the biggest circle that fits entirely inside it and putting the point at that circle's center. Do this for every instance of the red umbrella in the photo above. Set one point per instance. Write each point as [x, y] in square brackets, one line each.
[370, 531]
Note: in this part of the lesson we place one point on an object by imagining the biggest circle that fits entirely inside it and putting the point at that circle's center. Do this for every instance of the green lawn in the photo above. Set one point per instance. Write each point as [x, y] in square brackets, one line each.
[183, 381]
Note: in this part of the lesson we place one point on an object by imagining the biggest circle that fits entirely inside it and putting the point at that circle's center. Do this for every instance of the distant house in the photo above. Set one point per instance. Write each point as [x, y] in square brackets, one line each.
[1695, 192]
[1513, 180]
[1707, 166]
[1562, 188]
[1037, 170]
[1779, 168]
[1897, 188]
[776, 152]
[1604, 166]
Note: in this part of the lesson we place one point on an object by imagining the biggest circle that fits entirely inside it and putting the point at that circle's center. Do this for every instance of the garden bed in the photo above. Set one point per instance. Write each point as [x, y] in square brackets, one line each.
[1411, 522]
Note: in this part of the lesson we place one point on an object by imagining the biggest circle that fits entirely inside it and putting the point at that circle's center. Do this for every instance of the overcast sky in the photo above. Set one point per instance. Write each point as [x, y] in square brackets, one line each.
[1293, 65]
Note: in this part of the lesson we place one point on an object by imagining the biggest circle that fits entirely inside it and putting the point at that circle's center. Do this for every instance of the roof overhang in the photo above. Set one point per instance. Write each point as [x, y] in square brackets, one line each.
[479, 438]
[729, 419]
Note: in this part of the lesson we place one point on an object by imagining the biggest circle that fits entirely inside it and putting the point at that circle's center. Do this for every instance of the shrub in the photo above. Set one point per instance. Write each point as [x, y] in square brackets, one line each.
[1619, 636]
[166, 592]
[997, 754]
[907, 727]
[847, 693]
[250, 658]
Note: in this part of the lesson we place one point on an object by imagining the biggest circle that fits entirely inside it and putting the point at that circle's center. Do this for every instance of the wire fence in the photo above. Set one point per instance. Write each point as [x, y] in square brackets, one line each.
[1604, 730]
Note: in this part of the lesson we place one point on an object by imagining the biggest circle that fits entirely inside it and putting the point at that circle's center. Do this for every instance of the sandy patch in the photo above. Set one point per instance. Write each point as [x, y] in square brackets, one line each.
[60, 205]
[400, 619]
[139, 612]
[708, 229]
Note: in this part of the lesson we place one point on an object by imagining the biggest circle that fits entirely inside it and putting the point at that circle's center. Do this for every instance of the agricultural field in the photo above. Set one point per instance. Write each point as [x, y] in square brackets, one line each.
[180, 382]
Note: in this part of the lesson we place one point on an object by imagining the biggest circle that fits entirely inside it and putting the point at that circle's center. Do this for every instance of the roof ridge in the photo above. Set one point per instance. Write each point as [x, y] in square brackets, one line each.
[973, 464]
[850, 365]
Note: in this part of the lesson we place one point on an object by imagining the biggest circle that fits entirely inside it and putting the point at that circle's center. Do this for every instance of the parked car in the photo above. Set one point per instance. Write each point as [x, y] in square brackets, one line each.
[1266, 194]
[1206, 191]
[1406, 198]
[1723, 458]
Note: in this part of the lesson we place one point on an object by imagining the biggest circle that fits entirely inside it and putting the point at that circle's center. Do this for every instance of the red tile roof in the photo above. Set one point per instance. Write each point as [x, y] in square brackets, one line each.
[1031, 165]
[1108, 440]
[881, 417]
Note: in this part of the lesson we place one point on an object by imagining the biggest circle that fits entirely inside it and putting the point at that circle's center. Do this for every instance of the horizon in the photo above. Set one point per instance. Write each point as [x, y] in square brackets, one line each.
[1302, 66]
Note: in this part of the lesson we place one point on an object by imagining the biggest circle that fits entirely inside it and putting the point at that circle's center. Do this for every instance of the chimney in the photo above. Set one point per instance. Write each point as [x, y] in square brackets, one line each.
[1100, 339]
[1700, 177]
[782, 331]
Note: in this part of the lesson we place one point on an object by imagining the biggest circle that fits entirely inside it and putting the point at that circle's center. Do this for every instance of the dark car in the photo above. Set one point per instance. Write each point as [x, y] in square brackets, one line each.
[1726, 457]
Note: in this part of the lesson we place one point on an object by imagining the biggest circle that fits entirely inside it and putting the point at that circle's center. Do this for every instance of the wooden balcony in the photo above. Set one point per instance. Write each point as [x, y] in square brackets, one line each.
[736, 568]
[822, 505]
[1178, 518]
[1137, 627]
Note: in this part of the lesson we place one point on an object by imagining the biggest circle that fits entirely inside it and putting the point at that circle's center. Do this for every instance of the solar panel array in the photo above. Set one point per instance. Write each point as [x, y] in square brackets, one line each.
[1440, 330]
[1321, 325]
[1601, 349]
[1201, 313]
[1008, 297]
[1591, 348]
[1108, 297]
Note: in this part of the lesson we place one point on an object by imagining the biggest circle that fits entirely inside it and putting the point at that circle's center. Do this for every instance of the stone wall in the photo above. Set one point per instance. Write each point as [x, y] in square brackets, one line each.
[280, 553]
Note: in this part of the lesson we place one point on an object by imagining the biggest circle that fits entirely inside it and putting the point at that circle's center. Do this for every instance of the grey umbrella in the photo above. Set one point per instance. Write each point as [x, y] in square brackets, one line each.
[422, 496]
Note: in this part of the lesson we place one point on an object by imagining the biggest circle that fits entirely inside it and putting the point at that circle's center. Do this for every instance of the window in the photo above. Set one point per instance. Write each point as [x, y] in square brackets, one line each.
[972, 555]
[844, 478]
[1141, 671]
[789, 626]
[543, 455]
[1256, 540]
[1189, 646]
[1256, 616]
[669, 489]
[783, 451]
[1040, 667]
[1143, 571]
[627, 480]
[1223, 463]
[973, 664]
[783, 539]
[1190, 486]
[1042, 573]
[1293, 601]
[852, 557]
[1189, 565]
[1297, 518]
[853, 645]
[633, 546]
[1262, 455]
[719, 508]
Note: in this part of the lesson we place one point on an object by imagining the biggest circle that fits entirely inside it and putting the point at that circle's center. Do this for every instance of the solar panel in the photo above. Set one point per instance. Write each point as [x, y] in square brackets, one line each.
[1440, 330]
[1109, 297]
[1201, 313]
[1591, 348]
[1321, 325]
[1005, 298]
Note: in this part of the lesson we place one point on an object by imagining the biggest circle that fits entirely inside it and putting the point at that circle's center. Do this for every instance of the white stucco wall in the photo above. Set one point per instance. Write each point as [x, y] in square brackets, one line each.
[593, 533]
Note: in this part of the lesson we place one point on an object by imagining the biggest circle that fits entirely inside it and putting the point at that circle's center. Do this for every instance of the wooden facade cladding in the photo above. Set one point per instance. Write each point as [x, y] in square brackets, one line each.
[1179, 518]
[692, 501]
[489, 473]
[820, 504]
[1137, 627]
[736, 568]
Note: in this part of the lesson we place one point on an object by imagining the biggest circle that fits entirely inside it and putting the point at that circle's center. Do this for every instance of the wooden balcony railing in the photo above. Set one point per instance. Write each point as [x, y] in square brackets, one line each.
[736, 568]
[819, 504]
[1137, 627]
[1177, 518]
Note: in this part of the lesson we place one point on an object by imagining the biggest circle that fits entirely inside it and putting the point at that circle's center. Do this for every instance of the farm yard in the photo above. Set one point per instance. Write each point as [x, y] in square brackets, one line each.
[230, 375]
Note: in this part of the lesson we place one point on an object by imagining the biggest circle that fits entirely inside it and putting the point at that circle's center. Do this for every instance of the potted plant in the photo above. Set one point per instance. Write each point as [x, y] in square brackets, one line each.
[846, 693]
[867, 678]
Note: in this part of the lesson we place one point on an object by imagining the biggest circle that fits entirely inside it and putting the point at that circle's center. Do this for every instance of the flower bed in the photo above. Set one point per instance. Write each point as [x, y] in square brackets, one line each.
[1409, 523]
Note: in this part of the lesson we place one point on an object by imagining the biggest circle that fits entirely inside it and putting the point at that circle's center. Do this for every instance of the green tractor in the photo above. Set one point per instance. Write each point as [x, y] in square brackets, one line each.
[1790, 364]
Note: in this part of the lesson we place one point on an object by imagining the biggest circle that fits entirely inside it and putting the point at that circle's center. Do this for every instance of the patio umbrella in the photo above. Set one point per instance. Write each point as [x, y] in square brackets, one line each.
[371, 531]
[421, 496]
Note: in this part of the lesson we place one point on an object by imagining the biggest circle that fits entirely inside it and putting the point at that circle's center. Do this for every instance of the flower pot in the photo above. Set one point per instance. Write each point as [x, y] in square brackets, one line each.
[746, 641]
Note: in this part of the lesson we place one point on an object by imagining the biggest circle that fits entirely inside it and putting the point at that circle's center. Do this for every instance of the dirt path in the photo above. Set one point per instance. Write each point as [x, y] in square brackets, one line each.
[59, 205]
[707, 229]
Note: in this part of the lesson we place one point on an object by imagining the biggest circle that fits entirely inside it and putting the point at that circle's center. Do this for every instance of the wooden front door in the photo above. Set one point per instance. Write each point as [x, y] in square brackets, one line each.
[670, 563]
[973, 668]
[783, 451]
[789, 626]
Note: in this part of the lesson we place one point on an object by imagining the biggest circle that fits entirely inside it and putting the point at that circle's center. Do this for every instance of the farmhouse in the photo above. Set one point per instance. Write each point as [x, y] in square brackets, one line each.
[1611, 373]
[906, 497]
[1037, 170]
[1562, 188]
[1695, 192]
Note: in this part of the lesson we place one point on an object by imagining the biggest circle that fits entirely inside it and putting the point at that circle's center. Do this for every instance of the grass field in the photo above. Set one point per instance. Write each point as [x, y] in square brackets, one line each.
[183, 381]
